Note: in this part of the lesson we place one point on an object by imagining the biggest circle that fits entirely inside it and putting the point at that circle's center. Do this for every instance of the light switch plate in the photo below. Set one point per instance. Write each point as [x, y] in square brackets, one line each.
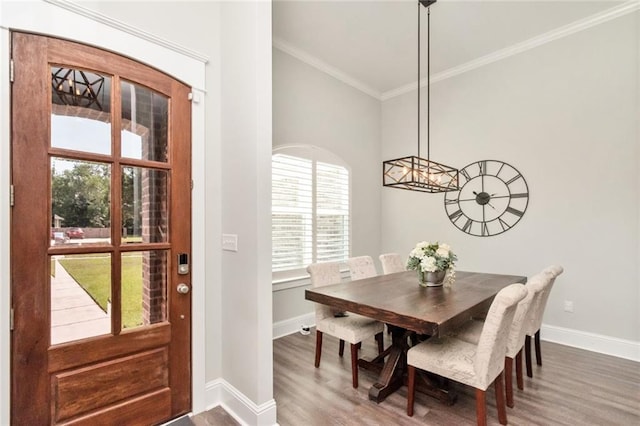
[230, 242]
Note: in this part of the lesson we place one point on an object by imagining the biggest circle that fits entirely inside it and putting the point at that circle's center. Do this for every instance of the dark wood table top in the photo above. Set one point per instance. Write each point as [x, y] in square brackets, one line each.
[397, 299]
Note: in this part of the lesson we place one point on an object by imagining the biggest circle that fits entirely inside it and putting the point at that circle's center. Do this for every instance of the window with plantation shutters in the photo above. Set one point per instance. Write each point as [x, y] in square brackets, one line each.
[310, 211]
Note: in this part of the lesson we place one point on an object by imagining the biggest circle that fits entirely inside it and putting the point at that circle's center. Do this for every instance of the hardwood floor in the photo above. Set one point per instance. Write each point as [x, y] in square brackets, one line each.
[573, 387]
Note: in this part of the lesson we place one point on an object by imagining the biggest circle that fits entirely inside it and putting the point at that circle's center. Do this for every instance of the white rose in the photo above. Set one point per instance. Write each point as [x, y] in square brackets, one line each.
[422, 244]
[428, 264]
[442, 251]
[445, 246]
[417, 253]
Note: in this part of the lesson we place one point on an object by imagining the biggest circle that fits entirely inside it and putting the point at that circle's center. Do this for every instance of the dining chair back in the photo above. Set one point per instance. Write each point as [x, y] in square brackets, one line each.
[477, 365]
[535, 321]
[361, 267]
[489, 362]
[471, 331]
[323, 274]
[391, 262]
[344, 326]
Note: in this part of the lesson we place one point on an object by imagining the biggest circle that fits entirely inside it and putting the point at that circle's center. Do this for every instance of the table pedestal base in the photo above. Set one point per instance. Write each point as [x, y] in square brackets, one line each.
[392, 373]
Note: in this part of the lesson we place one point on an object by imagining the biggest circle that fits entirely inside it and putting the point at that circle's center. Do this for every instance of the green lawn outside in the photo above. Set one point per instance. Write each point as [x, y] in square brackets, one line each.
[94, 275]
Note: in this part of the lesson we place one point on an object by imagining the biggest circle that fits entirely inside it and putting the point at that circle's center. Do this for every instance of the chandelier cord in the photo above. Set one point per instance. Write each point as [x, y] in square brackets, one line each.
[418, 79]
[428, 78]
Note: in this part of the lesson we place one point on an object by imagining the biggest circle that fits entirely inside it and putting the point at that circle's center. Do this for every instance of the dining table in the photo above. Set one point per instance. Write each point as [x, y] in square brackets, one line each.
[412, 313]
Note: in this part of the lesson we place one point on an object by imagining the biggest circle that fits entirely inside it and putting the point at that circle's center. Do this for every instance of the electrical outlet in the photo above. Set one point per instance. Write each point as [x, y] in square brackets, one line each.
[568, 306]
[230, 242]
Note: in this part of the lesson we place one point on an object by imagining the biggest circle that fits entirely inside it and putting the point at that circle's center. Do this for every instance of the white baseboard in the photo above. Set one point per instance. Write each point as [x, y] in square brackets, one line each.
[292, 325]
[246, 412]
[607, 345]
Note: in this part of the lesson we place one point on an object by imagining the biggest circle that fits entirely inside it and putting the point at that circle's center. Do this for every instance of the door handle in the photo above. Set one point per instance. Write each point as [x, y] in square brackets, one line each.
[183, 288]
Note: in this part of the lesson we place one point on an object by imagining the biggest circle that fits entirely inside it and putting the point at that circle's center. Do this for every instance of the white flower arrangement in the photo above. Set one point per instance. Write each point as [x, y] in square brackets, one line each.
[432, 257]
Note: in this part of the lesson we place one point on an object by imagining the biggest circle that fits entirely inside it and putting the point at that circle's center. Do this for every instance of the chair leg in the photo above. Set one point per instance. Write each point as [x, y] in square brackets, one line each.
[318, 347]
[481, 407]
[527, 355]
[519, 378]
[341, 350]
[380, 340]
[411, 388]
[354, 365]
[502, 409]
[508, 380]
[538, 350]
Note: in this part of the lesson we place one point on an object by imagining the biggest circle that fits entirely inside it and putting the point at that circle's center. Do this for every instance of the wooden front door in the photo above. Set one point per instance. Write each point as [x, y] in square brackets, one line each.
[100, 238]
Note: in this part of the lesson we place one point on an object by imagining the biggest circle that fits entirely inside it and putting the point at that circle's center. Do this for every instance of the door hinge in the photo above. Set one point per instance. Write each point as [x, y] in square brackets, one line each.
[192, 185]
[12, 196]
[194, 97]
[11, 320]
[11, 70]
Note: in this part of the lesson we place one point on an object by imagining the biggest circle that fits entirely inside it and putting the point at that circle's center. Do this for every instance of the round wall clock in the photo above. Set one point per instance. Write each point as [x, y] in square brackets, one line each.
[493, 197]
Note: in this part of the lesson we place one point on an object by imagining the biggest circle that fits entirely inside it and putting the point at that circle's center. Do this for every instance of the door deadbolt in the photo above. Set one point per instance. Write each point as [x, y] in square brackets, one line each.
[183, 288]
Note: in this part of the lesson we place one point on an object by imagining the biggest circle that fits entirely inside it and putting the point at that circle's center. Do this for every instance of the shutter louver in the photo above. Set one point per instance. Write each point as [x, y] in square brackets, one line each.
[291, 223]
[332, 213]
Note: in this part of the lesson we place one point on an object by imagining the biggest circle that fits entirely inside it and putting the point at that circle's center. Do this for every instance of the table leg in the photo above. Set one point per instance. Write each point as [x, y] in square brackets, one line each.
[392, 375]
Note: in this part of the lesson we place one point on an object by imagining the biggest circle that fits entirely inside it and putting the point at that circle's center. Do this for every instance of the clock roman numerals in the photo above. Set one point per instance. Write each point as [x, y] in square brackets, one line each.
[450, 201]
[466, 174]
[455, 215]
[515, 211]
[513, 179]
[482, 165]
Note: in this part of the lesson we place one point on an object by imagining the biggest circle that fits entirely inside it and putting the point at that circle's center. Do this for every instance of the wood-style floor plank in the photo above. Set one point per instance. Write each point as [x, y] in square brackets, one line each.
[574, 387]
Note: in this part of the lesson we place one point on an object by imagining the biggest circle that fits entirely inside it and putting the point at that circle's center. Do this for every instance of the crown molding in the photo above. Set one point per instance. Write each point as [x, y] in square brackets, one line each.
[334, 72]
[113, 23]
[558, 33]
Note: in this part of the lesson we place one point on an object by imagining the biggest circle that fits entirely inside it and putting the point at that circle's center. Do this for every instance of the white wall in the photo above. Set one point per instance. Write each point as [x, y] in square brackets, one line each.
[313, 108]
[565, 114]
[246, 195]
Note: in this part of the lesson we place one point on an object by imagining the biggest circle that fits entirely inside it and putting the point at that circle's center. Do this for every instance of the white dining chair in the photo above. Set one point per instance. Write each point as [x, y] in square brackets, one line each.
[361, 267]
[351, 327]
[477, 365]
[535, 322]
[471, 331]
[391, 263]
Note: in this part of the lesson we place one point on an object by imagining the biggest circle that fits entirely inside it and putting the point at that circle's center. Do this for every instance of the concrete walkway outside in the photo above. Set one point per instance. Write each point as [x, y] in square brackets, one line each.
[74, 314]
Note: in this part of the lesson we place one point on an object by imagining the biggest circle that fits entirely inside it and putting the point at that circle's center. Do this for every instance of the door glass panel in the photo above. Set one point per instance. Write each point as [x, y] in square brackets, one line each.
[80, 110]
[80, 202]
[145, 123]
[144, 205]
[144, 288]
[80, 296]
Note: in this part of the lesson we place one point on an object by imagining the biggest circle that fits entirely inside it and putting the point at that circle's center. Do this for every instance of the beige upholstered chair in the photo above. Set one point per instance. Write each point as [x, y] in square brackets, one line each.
[361, 267]
[352, 328]
[473, 365]
[391, 262]
[533, 328]
[471, 332]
